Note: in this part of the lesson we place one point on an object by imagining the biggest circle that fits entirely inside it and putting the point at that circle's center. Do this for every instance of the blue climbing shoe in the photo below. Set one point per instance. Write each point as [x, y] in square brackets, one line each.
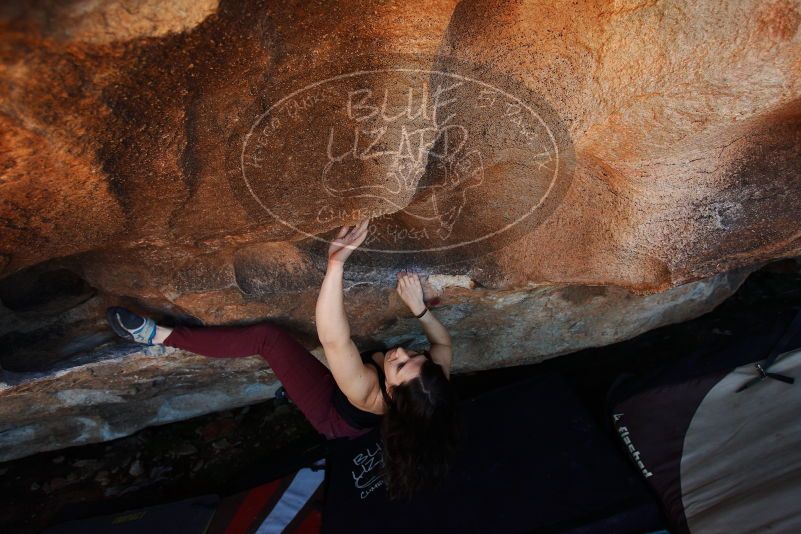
[131, 326]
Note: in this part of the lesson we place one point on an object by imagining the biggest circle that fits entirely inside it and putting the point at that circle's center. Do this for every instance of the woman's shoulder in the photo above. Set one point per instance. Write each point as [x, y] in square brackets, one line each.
[357, 414]
[374, 403]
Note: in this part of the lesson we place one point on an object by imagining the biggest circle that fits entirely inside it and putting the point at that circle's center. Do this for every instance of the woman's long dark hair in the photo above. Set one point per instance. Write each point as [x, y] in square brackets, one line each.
[420, 432]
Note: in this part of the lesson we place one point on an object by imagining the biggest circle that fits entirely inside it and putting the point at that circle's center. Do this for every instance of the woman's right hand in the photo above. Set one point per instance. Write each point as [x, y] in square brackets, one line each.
[411, 291]
[348, 240]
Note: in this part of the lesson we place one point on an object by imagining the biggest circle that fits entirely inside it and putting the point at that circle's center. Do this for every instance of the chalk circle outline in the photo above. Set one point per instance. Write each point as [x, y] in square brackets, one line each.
[429, 72]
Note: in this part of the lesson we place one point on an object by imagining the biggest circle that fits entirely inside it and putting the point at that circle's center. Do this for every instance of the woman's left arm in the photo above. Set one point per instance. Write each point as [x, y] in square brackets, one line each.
[411, 292]
[354, 378]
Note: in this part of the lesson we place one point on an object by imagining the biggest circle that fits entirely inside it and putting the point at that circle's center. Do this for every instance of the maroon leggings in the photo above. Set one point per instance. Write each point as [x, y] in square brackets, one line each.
[308, 383]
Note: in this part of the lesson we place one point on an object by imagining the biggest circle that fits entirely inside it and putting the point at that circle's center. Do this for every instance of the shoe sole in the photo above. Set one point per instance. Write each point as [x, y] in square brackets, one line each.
[111, 318]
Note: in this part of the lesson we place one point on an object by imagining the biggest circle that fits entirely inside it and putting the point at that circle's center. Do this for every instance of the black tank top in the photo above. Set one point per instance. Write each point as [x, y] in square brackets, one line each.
[351, 414]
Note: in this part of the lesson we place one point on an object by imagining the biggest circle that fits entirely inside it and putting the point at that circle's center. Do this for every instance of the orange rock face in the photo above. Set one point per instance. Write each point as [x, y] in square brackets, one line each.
[122, 129]
[190, 158]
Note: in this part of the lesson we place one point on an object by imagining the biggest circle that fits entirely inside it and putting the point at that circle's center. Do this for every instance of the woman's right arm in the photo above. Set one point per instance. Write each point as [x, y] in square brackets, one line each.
[351, 375]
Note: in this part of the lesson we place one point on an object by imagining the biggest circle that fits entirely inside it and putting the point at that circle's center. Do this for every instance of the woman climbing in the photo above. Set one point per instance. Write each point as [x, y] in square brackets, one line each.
[407, 393]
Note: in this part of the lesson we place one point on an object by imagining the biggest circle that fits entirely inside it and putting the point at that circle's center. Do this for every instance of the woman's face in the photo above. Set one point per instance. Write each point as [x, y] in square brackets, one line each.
[401, 365]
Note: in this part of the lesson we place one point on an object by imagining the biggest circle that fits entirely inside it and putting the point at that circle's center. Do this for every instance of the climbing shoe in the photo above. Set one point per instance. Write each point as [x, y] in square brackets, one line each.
[131, 326]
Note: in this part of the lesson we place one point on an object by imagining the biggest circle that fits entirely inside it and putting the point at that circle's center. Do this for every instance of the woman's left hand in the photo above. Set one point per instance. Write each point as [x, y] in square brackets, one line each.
[411, 291]
[348, 240]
